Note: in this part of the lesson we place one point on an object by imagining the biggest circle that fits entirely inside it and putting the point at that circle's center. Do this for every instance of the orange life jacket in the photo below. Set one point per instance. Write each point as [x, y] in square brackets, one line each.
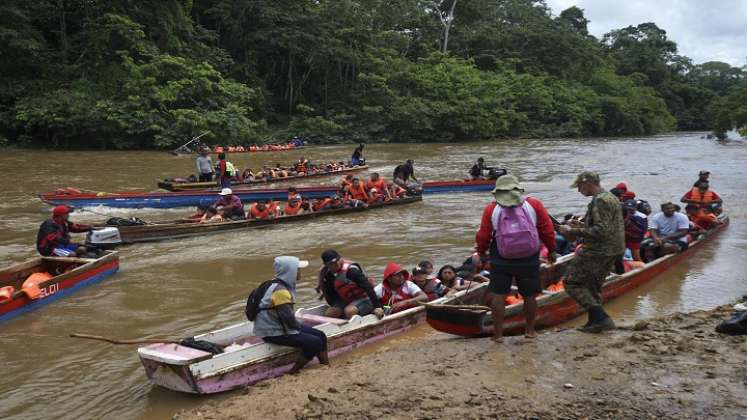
[320, 205]
[256, 213]
[358, 193]
[291, 210]
[703, 199]
[348, 290]
[379, 185]
[345, 183]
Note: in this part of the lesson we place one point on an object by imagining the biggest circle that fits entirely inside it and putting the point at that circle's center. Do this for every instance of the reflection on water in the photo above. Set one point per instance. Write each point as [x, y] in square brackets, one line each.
[181, 288]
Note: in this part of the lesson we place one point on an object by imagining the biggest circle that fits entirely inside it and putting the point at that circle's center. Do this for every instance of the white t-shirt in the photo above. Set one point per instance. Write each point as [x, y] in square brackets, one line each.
[408, 287]
[667, 225]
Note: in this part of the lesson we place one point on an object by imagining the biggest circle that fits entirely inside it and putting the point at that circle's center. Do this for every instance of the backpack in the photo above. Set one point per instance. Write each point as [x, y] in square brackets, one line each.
[255, 298]
[516, 233]
[119, 221]
[736, 325]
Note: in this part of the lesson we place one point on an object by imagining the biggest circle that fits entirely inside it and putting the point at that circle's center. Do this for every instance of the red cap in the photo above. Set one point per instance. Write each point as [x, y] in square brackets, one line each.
[60, 210]
[394, 268]
[628, 195]
[622, 186]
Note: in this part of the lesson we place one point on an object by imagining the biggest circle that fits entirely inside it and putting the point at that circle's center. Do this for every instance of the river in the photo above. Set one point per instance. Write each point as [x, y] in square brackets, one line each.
[185, 287]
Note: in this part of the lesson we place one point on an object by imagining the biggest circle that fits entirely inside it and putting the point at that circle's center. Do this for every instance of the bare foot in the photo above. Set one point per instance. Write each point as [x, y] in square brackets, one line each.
[530, 334]
[497, 339]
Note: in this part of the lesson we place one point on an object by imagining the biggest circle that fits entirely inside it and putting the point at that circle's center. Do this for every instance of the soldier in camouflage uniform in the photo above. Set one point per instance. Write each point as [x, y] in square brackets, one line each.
[603, 235]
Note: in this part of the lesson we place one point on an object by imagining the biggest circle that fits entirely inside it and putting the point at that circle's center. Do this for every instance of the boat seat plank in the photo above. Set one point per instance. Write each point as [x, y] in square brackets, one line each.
[174, 354]
[229, 335]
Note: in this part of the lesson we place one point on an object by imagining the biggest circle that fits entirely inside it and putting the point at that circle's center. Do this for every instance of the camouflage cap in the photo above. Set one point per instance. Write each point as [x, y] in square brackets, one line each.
[586, 176]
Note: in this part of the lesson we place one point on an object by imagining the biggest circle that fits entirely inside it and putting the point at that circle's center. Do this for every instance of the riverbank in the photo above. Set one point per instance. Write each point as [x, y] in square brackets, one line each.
[675, 366]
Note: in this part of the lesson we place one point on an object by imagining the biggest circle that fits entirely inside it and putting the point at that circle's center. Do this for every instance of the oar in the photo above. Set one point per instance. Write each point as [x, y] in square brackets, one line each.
[116, 341]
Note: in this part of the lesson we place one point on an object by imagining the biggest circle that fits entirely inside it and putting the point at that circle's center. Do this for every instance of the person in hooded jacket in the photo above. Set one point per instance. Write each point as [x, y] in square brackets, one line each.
[276, 322]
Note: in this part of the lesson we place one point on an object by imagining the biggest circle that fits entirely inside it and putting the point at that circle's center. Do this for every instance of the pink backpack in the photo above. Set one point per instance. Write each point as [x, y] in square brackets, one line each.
[515, 229]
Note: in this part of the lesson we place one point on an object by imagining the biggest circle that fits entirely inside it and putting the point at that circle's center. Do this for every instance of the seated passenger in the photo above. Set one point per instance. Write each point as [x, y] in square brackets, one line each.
[397, 292]
[247, 175]
[321, 204]
[346, 181]
[212, 215]
[293, 193]
[448, 276]
[346, 288]
[428, 283]
[374, 196]
[293, 207]
[279, 325]
[356, 191]
[427, 266]
[669, 230]
[702, 219]
[197, 216]
[636, 226]
[396, 191]
[260, 210]
[702, 196]
[231, 203]
[53, 237]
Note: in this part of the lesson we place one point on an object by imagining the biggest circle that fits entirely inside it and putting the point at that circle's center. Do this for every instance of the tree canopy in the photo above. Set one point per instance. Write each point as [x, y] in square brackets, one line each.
[152, 74]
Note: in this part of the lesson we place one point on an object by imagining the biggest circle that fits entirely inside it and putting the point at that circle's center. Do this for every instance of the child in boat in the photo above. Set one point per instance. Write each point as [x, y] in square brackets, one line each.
[197, 216]
[212, 215]
[429, 284]
[396, 292]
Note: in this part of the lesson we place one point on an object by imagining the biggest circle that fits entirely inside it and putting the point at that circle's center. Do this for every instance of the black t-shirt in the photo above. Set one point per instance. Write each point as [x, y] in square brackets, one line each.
[404, 172]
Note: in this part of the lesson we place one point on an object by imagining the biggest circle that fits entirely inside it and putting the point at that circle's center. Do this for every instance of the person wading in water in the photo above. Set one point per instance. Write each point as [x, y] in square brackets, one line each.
[603, 235]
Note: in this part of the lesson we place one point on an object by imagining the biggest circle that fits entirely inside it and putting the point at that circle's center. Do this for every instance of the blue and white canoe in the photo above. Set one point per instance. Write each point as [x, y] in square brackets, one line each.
[74, 198]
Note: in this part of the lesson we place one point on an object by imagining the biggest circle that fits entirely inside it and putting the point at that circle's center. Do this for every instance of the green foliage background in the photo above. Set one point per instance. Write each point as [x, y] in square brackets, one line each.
[153, 74]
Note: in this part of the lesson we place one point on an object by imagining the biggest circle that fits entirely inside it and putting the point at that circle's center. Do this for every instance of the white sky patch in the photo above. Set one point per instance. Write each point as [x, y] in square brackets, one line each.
[703, 30]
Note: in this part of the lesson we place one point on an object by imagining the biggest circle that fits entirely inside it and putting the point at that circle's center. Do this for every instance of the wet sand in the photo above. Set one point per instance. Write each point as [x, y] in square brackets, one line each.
[675, 366]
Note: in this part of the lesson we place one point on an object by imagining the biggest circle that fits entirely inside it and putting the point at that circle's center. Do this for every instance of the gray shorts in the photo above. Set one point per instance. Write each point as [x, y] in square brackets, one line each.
[364, 305]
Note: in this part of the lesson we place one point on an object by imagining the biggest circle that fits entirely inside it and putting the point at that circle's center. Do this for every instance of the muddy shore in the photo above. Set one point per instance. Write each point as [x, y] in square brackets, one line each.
[670, 367]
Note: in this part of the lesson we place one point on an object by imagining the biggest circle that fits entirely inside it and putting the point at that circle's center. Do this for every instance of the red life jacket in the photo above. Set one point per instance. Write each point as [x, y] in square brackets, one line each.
[399, 295]
[291, 210]
[346, 288]
[259, 214]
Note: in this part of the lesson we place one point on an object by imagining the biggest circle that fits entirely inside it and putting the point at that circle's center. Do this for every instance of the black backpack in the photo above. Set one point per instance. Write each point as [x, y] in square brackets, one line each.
[736, 325]
[119, 221]
[255, 298]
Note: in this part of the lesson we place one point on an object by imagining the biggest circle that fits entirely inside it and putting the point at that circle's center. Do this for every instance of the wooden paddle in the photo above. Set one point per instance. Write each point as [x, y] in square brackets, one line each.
[116, 341]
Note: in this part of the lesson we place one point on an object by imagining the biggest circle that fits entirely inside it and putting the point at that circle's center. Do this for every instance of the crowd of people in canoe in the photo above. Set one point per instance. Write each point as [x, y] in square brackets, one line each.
[294, 143]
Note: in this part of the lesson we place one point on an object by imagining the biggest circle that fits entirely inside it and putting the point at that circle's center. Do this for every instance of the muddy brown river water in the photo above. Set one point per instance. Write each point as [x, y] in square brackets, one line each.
[185, 287]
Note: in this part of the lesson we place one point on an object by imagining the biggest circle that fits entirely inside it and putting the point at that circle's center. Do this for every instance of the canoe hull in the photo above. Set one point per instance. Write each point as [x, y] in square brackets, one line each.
[196, 198]
[62, 285]
[555, 308]
[186, 378]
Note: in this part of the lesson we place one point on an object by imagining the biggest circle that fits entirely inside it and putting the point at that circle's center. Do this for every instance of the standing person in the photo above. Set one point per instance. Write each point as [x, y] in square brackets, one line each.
[603, 235]
[346, 288]
[403, 173]
[230, 204]
[205, 166]
[358, 158]
[53, 237]
[510, 233]
[275, 320]
[225, 171]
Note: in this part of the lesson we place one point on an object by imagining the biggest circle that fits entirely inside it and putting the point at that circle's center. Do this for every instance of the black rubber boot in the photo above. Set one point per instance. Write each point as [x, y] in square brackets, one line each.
[598, 321]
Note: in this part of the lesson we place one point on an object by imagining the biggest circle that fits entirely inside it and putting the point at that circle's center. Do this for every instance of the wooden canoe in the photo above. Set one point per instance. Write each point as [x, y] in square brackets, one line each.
[182, 228]
[192, 186]
[554, 308]
[247, 359]
[77, 273]
[134, 199]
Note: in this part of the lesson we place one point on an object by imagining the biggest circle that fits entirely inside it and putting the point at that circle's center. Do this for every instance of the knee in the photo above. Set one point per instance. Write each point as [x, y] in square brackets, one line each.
[351, 310]
[333, 312]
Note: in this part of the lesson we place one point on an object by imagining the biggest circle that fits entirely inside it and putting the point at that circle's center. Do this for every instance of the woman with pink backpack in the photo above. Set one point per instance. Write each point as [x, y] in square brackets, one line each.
[511, 230]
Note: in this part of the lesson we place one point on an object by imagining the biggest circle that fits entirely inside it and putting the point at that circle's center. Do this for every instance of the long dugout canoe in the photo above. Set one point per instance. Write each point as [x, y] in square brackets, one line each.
[556, 307]
[196, 198]
[161, 231]
[212, 186]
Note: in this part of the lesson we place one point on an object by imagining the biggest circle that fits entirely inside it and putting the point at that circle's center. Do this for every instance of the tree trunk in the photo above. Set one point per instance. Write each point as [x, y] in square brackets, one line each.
[63, 30]
[290, 83]
[447, 26]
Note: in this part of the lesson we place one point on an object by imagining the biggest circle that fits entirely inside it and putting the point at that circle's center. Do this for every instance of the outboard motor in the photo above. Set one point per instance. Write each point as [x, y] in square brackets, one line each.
[105, 238]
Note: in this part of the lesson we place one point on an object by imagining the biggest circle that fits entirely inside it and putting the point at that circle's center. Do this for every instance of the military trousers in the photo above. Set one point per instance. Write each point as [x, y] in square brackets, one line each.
[585, 277]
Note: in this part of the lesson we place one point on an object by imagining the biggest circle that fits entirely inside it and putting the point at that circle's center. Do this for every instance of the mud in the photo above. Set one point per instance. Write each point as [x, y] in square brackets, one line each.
[670, 367]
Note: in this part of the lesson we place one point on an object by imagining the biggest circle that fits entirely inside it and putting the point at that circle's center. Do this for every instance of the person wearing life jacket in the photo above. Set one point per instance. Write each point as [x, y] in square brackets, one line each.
[302, 165]
[293, 193]
[230, 205]
[356, 191]
[260, 210]
[346, 181]
[702, 196]
[225, 171]
[396, 292]
[346, 288]
[376, 181]
[428, 283]
[511, 231]
[53, 237]
[322, 204]
[293, 207]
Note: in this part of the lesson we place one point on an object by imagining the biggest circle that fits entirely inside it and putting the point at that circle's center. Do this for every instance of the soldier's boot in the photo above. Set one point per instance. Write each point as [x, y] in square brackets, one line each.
[598, 321]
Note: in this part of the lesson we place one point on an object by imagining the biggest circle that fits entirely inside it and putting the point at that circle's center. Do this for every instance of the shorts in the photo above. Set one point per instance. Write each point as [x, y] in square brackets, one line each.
[364, 305]
[527, 279]
[65, 250]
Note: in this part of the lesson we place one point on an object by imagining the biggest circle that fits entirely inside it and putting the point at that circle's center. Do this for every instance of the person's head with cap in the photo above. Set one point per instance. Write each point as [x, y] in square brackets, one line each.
[288, 268]
[427, 266]
[419, 276]
[61, 212]
[587, 183]
[703, 175]
[507, 191]
[628, 195]
[409, 162]
[622, 186]
[226, 192]
[395, 275]
[332, 260]
[480, 160]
